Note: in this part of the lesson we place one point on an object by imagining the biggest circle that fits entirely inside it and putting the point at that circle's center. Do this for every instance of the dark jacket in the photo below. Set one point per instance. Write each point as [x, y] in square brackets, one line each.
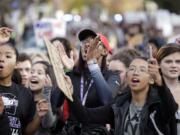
[104, 85]
[100, 93]
[156, 115]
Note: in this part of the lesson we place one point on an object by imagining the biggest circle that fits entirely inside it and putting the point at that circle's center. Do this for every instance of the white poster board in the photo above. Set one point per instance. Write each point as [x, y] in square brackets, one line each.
[49, 28]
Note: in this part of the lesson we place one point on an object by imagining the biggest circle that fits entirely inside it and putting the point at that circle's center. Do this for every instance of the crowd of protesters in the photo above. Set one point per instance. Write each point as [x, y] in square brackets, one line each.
[132, 89]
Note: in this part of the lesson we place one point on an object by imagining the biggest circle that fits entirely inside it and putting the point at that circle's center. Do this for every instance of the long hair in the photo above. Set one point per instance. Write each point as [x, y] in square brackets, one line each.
[80, 66]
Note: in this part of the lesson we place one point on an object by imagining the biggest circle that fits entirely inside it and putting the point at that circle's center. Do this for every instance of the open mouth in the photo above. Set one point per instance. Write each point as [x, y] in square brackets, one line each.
[85, 51]
[135, 80]
[34, 82]
[1, 66]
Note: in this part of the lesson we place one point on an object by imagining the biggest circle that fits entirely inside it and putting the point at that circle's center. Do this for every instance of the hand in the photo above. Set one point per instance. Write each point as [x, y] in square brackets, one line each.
[153, 69]
[5, 34]
[152, 52]
[93, 51]
[47, 82]
[67, 62]
[42, 108]
[177, 40]
[1, 105]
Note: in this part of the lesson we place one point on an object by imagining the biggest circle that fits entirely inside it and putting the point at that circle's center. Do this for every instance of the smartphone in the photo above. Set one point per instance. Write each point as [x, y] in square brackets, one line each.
[150, 52]
[46, 92]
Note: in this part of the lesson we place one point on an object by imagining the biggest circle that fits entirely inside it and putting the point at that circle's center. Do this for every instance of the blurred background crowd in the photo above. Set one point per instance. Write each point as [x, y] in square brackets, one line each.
[134, 24]
[125, 22]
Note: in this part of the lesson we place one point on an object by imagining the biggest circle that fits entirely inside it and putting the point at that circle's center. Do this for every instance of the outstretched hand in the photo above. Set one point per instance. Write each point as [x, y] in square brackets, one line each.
[94, 48]
[67, 62]
[5, 34]
[153, 69]
[47, 81]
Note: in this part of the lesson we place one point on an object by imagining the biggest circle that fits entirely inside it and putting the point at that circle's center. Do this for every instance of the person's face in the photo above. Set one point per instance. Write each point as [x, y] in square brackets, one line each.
[84, 47]
[85, 44]
[24, 68]
[116, 65]
[138, 77]
[170, 66]
[7, 61]
[38, 77]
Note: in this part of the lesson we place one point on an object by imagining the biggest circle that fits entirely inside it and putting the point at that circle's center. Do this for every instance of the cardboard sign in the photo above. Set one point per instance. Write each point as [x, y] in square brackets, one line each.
[57, 64]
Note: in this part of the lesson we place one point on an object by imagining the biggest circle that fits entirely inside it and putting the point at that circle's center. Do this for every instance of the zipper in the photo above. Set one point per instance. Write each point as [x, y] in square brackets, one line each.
[152, 115]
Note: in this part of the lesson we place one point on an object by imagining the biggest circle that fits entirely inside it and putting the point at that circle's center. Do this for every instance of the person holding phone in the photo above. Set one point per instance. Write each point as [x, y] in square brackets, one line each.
[169, 60]
[141, 109]
[41, 80]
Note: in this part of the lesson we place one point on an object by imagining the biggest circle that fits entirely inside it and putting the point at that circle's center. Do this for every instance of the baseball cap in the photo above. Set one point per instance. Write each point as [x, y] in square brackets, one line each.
[105, 42]
[86, 33]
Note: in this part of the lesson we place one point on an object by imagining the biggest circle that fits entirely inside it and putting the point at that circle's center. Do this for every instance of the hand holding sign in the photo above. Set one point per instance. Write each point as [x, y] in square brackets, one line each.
[58, 68]
[67, 62]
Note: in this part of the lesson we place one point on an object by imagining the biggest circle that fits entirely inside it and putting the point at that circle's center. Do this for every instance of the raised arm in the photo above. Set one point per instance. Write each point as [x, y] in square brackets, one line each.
[105, 88]
[101, 115]
[89, 115]
[167, 99]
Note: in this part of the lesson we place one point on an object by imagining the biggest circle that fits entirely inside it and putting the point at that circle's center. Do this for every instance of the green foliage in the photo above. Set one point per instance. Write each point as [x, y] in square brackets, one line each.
[75, 4]
[171, 5]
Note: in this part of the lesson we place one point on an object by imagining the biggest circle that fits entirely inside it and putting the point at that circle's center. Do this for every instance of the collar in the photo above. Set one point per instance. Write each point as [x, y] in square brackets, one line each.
[153, 96]
[126, 96]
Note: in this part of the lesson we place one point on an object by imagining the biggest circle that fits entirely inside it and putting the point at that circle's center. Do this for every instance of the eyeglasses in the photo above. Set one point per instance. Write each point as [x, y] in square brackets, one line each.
[134, 69]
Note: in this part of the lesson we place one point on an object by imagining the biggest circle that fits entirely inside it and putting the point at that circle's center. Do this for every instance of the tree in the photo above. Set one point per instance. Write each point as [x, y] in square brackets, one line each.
[171, 5]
